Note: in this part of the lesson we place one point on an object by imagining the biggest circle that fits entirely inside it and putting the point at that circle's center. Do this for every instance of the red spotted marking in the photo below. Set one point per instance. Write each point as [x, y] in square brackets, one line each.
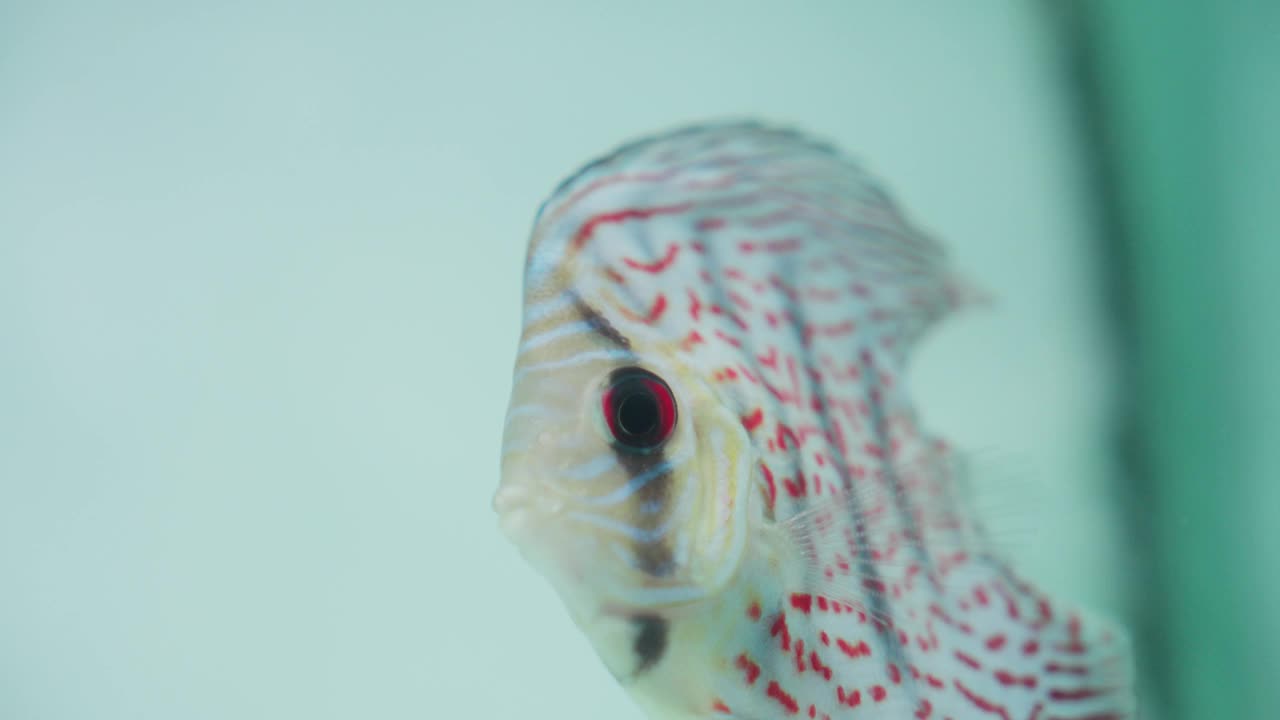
[751, 670]
[1009, 679]
[982, 703]
[771, 488]
[729, 339]
[775, 247]
[853, 651]
[652, 315]
[853, 698]
[588, 228]
[784, 699]
[820, 667]
[738, 300]
[780, 631]
[1074, 694]
[1074, 644]
[695, 305]
[658, 265]
[787, 382]
[1046, 613]
[1010, 604]
[620, 178]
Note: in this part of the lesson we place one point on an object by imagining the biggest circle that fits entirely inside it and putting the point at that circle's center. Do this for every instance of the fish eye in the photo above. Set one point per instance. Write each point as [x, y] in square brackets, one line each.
[638, 409]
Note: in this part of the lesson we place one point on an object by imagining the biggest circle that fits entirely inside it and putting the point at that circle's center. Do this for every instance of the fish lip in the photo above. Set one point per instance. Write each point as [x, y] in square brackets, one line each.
[627, 611]
[525, 501]
[510, 498]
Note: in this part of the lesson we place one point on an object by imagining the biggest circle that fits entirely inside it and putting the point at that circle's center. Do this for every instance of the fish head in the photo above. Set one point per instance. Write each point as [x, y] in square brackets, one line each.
[624, 479]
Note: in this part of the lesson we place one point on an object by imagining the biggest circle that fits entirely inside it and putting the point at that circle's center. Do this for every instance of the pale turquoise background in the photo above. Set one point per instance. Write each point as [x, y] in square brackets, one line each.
[259, 285]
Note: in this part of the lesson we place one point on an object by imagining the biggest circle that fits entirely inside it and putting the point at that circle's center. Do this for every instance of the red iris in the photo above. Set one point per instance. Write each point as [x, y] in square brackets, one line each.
[639, 409]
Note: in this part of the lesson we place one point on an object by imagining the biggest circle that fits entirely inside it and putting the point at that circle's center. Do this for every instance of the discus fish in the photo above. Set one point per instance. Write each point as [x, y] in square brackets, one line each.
[711, 454]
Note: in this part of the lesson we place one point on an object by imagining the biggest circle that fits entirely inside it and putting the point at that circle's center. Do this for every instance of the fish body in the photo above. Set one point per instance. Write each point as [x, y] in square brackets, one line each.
[711, 454]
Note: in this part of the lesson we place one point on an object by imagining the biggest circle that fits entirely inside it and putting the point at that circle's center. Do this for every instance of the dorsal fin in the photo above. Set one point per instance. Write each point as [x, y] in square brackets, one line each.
[734, 183]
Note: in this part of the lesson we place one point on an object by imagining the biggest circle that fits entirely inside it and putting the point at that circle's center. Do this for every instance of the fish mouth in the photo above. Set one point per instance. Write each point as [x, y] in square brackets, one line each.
[533, 519]
[628, 610]
[513, 498]
[523, 511]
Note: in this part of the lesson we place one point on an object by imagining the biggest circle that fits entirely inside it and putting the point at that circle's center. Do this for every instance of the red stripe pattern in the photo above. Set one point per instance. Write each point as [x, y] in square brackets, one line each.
[790, 280]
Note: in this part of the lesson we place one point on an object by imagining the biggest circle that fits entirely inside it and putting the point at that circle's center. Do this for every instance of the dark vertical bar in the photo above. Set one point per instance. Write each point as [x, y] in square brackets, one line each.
[1081, 68]
[1148, 82]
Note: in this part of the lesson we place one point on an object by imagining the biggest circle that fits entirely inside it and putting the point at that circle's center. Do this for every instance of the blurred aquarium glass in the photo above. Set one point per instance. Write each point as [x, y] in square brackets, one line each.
[259, 294]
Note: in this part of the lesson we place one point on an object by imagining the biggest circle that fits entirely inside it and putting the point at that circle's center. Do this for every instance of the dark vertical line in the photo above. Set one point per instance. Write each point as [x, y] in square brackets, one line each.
[871, 383]
[880, 608]
[1075, 27]
[650, 644]
[654, 557]
[599, 323]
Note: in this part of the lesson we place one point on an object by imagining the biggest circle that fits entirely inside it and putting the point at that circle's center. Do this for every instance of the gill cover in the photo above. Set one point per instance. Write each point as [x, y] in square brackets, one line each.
[730, 506]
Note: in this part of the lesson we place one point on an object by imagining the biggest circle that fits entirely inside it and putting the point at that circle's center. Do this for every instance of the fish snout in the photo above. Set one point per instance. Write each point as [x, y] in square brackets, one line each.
[524, 509]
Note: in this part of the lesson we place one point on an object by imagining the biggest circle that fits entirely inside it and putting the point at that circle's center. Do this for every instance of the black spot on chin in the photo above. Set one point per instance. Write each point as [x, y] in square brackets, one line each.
[650, 642]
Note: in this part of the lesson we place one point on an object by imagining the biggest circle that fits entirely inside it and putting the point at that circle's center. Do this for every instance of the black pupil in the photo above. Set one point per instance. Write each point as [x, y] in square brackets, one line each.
[638, 412]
